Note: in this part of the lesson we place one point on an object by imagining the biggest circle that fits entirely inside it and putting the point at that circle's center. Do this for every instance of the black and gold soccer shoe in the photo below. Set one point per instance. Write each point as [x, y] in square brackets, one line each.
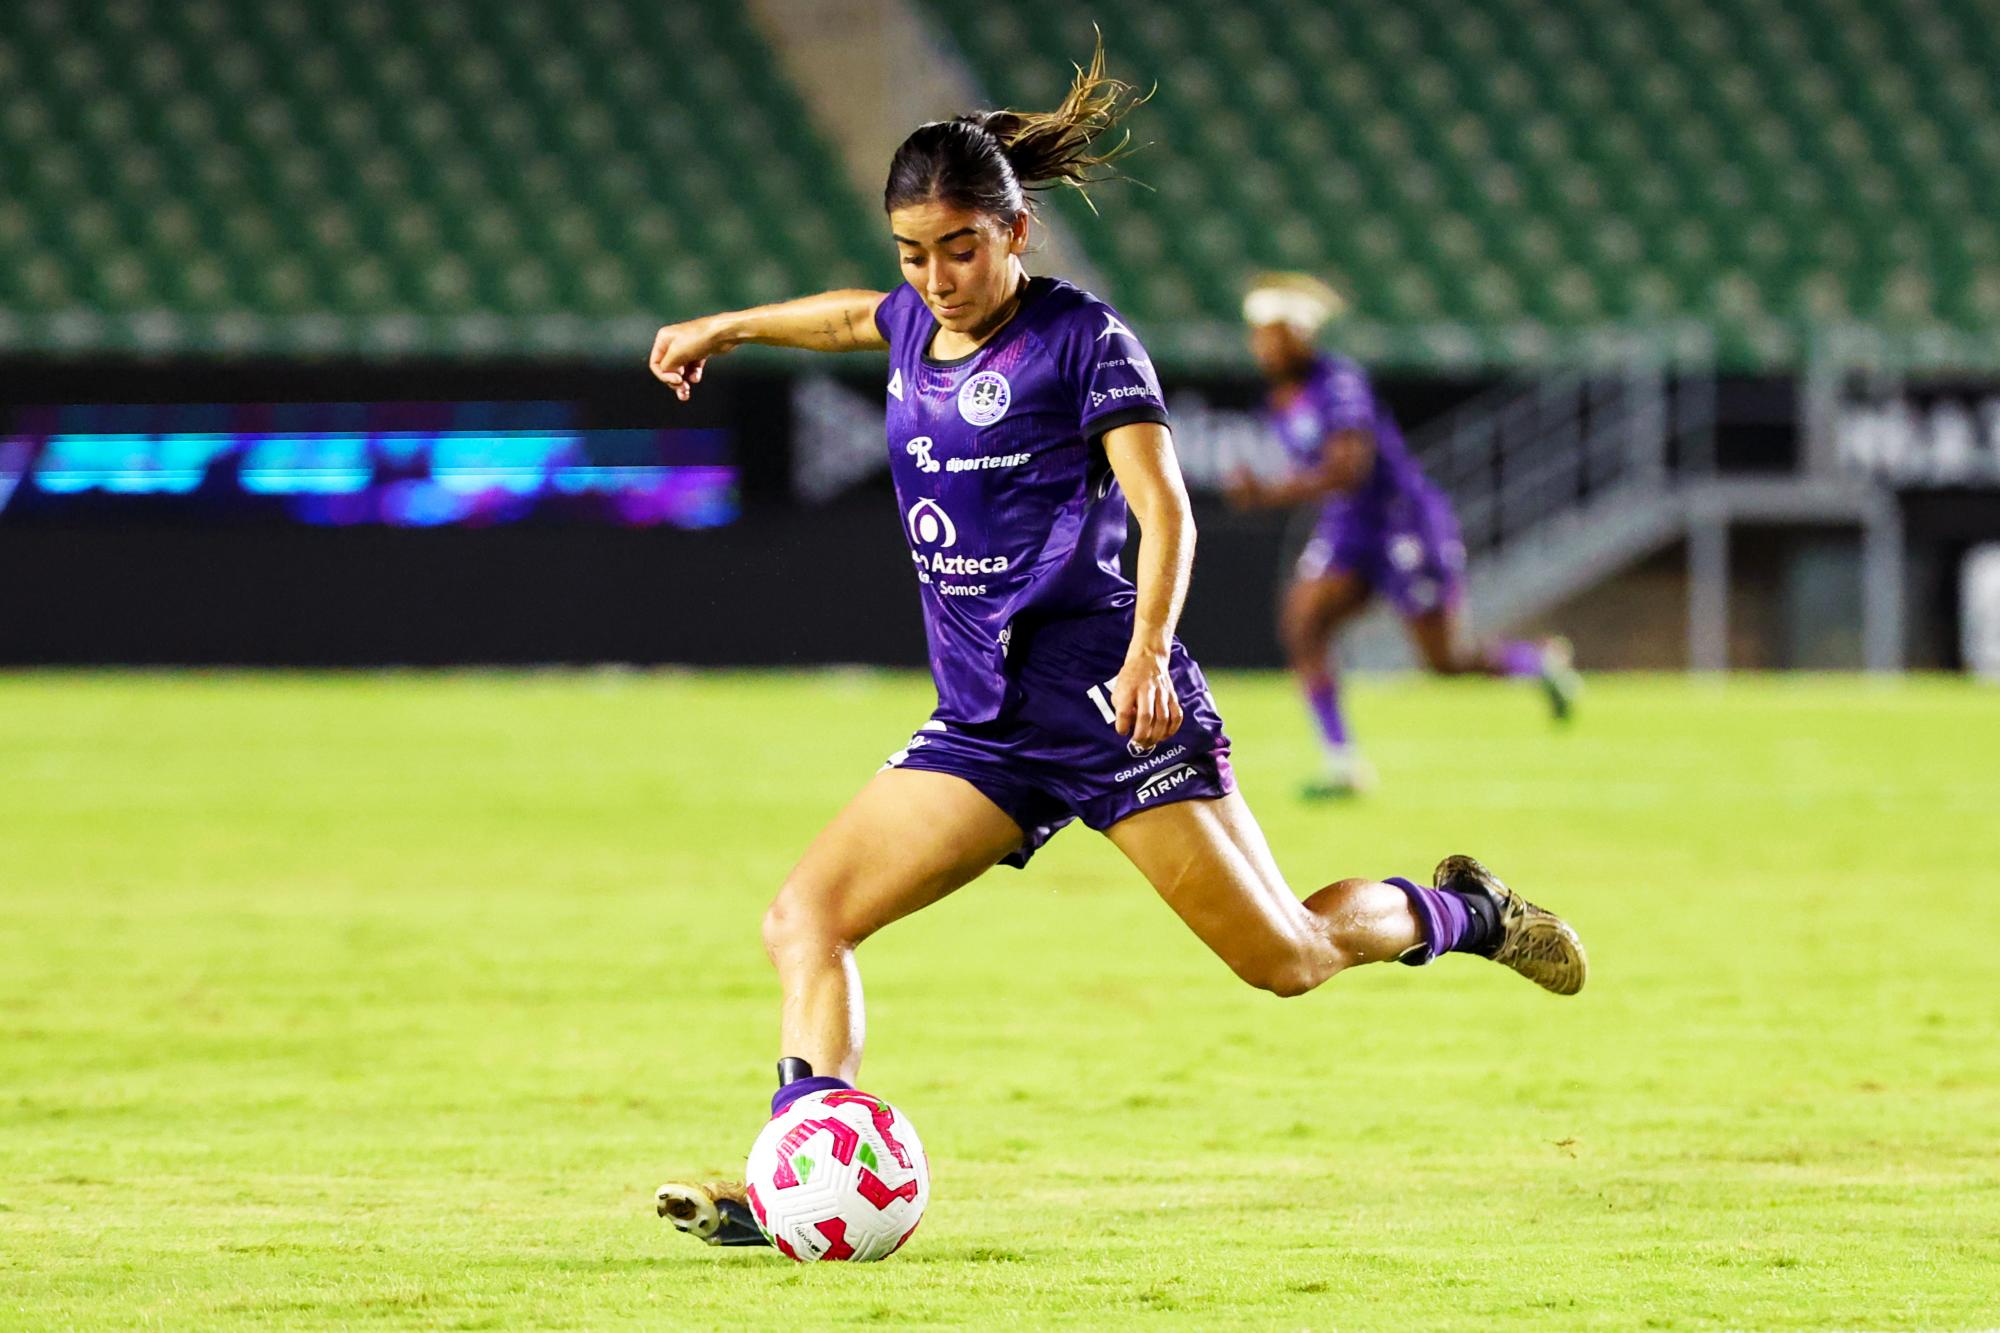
[1534, 941]
[715, 1212]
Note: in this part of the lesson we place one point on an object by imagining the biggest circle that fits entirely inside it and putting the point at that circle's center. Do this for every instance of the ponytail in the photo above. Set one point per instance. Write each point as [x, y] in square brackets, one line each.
[984, 161]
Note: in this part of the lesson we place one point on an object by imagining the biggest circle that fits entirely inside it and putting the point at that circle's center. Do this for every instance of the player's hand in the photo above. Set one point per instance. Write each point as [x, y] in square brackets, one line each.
[1142, 697]
[680, 351]
[1243, 489]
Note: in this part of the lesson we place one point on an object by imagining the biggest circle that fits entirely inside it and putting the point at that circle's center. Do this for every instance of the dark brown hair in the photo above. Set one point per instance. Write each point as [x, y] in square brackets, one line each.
[988, 161]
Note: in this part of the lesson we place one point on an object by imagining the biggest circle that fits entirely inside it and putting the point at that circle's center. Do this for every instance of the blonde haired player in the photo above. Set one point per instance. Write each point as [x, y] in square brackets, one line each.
[1383, 527]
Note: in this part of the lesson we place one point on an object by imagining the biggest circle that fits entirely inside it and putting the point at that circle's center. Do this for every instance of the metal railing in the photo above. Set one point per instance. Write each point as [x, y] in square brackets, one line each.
[1526, 453]
[1562, 480]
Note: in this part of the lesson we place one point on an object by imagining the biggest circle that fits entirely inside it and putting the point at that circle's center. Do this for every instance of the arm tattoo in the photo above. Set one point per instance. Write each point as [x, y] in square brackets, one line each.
[853, 338]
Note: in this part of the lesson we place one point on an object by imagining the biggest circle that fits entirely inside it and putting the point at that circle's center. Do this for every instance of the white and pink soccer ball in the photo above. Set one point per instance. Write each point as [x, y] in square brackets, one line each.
[838, 1175]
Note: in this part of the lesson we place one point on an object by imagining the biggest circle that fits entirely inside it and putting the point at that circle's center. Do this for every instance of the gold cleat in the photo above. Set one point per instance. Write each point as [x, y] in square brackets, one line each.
[1534, 941]
[716, 1212]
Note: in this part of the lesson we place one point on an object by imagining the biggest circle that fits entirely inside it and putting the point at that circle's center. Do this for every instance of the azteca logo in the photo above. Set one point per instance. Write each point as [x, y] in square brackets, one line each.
[929, 525]
[983, 399]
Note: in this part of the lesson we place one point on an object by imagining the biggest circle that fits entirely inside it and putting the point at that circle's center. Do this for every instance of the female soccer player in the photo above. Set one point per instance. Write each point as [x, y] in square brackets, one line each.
[1382, 526]
[1023, 418]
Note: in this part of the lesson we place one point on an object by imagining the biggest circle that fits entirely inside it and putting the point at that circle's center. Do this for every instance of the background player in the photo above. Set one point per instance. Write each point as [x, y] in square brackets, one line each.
[1023, 416]
[1382, 526]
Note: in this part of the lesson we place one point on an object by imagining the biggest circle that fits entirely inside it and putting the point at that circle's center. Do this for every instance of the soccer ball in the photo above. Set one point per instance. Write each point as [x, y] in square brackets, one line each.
[838, 1175]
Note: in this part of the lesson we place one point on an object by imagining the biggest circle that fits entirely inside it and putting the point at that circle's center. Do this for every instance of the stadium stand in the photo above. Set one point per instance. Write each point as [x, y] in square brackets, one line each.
[1486, 175]
[301, 176]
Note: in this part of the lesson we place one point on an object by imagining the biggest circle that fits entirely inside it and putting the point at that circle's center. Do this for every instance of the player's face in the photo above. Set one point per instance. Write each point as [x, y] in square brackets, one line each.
[1279, 350]
[961, 262]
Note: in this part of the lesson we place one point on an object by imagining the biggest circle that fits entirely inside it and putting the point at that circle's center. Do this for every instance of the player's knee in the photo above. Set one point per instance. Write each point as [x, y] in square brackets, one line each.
[797, 921]
[1443, 656]
[1442, 662]
[1284, 977]
[780, 926]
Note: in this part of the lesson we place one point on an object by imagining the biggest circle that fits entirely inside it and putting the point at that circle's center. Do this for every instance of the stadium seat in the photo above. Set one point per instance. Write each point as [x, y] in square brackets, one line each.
[1751, 165]
[251, 168]
[345, 174]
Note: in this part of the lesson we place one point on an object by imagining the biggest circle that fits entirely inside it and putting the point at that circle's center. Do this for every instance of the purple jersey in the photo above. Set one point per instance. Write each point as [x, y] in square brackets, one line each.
[1008, 502]
[1336, 396]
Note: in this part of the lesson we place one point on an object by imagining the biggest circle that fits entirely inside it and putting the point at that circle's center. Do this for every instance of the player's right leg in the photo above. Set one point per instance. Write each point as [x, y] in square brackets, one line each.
[1208, 860]
[907, 839]
[1315, 606]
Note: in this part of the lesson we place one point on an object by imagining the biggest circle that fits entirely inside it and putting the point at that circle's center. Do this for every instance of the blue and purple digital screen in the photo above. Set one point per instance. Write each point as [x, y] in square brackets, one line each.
[397, 464]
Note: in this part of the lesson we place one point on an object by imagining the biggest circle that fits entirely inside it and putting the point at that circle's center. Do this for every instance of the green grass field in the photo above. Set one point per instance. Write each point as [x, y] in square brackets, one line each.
[387, 1000]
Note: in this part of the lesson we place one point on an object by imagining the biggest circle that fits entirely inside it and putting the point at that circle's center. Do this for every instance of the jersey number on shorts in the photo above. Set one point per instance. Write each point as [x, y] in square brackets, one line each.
[1101, 696]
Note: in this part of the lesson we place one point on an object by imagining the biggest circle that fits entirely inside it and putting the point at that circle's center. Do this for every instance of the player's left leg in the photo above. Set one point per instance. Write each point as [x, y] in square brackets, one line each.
[1437, 635]
[1424, 578]
[1207, 858]
[906, 839]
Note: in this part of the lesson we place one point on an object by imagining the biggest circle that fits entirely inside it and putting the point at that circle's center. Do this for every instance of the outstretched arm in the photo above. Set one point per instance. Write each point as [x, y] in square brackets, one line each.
[1345, 461]
[830, 322]
[1142, 457]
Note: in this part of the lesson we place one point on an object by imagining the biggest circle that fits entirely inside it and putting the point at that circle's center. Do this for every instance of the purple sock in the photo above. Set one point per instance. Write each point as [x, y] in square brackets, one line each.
[1518, 657]
[1443, 917]
[1324, 696]
[805, 1087]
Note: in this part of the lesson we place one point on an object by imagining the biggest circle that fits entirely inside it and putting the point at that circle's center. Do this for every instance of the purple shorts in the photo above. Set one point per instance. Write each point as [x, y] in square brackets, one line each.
[1407, 548]
[1053, 754]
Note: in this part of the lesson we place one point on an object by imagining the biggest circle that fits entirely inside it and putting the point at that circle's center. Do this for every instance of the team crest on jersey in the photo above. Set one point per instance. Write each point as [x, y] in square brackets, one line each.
[896, 384]
[983, 399]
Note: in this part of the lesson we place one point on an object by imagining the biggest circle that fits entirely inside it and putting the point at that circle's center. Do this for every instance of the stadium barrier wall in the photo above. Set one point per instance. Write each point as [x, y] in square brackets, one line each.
[205, 577]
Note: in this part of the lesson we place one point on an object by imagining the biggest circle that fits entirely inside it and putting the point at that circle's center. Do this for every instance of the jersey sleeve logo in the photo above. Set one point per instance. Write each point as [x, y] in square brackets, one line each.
[1115, 327]
[896, 384]
[983, 399]
[1099, 397]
